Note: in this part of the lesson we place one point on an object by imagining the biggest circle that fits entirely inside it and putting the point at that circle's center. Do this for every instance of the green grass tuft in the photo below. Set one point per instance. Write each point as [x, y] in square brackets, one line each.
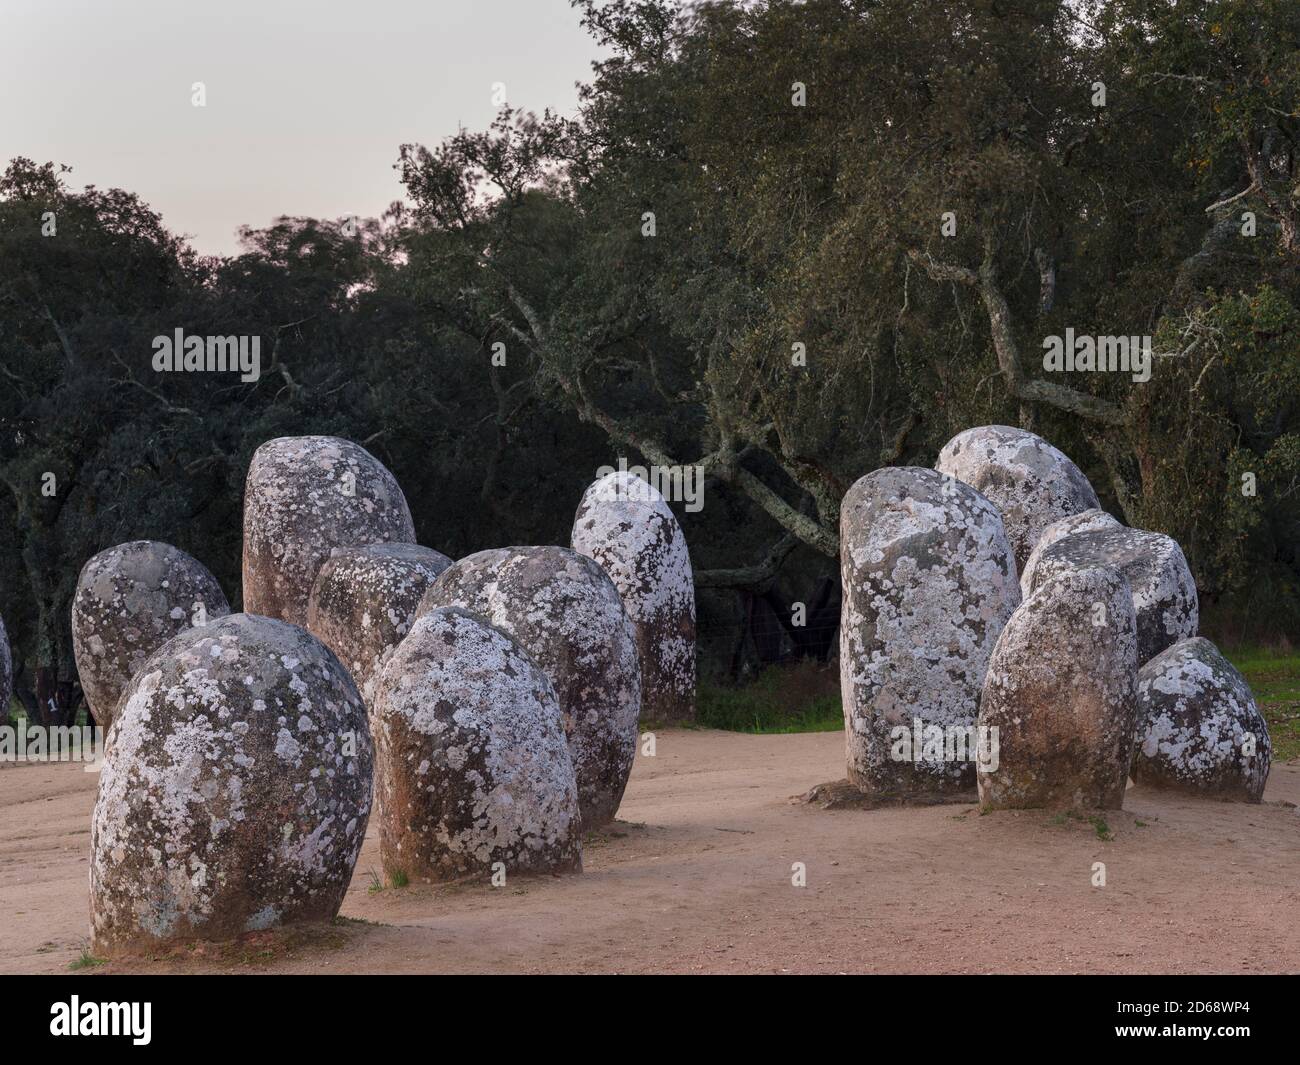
[1103, 830]
[87, 960]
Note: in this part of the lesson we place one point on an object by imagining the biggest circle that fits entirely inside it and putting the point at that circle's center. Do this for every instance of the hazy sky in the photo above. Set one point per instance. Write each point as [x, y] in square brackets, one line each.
[307, 102]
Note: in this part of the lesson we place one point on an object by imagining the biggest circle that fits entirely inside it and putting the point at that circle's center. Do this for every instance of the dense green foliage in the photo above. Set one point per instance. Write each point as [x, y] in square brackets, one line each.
[732, 256]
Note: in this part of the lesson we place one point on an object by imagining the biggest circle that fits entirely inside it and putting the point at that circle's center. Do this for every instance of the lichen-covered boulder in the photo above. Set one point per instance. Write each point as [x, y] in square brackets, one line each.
[1029, 480]
[6, 674]
[627, 527]
[303, 497]
[1164, 593]
[1084, 521]
[130, 600]
[1061, 693]
[1199, 730]
[568, 616]
[363, 602]
[234, 792]
[473, 767]
[929, 580]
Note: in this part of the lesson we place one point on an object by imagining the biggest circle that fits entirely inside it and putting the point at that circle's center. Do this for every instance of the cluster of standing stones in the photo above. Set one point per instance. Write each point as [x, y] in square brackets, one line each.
[489, 707]
[1029, 643]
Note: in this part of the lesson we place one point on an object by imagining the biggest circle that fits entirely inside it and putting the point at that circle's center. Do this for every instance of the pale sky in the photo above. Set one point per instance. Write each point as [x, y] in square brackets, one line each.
[307, 102]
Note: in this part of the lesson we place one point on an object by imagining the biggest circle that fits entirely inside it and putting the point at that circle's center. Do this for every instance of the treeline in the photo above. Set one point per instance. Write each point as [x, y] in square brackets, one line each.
[789, 243]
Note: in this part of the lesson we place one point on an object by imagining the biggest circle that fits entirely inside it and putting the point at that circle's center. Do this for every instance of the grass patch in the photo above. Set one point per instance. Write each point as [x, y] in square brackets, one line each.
[87, 961]
[1274, 677]
[803, 697]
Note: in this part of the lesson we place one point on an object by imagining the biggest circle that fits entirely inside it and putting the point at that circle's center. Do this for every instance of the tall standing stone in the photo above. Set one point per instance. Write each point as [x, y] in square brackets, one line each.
[6, 674]
[568, 616]
[929, 580]
[624, 524]
[235, 789]
[1029, 480]
[130, 600]
[363, 602]
[303, 497]
[473, 768]
[1199, 729]
[1164, 593]
[1061, 693]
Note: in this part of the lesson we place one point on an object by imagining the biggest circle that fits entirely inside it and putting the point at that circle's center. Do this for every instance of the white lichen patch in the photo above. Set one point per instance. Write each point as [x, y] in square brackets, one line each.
[1164, 593]
[1061, 691]
[474, 767]
[303, 497]
[929, 580]
[569, 617]
[624, 524]
[363, 602]
[130, 600]
[1200, 730]
[213, 817]
[1026, 478]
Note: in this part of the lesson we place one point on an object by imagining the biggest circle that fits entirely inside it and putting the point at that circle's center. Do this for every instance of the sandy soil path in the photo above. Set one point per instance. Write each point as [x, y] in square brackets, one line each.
[696, 877]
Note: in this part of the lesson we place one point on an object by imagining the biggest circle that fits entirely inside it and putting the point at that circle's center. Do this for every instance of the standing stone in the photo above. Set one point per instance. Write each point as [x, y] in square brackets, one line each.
[1061, 692]
[1199, 730]
[624, 524]
[929, 581]
[1031, 482]
[235, 789]
[1164, 593]
[473, 767]
[6, 674]
[363, 603]
[130, 600]
[568, 616]
[305, 496]
[1085, 521]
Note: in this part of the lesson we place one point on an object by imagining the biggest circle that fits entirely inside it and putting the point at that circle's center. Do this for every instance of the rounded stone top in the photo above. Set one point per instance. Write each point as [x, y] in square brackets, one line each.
[303, 497]
[913, 508]
[1194, 667]
[565, 593]
[1032, 482]
[363, 602]
[1075, 589]
[1084, 521]
[130, 600]
[899, 490]
[625, 525]
[1164, 593]
[254, 662]
[475, 672]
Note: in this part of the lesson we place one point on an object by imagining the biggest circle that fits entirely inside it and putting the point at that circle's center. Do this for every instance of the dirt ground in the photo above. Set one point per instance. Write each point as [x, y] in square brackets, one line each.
[696, 877]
